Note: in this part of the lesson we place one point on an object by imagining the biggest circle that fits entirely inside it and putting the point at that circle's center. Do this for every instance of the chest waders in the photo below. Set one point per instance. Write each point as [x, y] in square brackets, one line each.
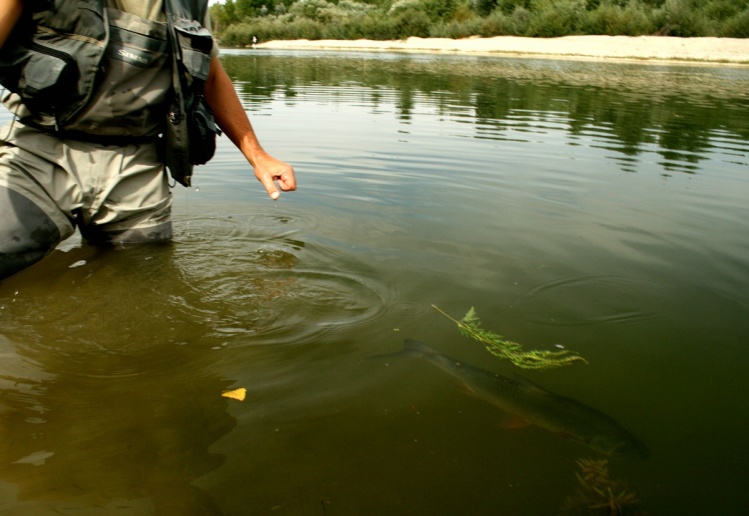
[28, 233]
[42, 73]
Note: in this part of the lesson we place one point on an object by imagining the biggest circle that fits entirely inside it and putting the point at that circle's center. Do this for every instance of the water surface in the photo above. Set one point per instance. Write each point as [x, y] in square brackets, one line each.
[593, 206]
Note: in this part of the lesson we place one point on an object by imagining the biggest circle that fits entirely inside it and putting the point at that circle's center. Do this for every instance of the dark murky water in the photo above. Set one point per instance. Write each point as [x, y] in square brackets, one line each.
[599, 207]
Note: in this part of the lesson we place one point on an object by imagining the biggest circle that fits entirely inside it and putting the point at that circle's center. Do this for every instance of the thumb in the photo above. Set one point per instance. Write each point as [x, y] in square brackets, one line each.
[271, 188]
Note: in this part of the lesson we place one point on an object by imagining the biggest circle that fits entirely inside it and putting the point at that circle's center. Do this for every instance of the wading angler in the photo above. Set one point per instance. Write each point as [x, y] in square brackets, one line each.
[109, 99]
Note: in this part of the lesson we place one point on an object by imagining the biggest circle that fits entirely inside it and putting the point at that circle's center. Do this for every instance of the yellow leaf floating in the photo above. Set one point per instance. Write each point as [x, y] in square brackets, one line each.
[235, 394]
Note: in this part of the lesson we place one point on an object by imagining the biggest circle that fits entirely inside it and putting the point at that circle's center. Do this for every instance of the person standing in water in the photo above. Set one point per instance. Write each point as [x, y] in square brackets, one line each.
[89, 83]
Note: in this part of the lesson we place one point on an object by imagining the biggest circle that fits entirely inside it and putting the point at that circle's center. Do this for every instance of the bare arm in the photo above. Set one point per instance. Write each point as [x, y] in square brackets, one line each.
[232, 119]
[10, 11]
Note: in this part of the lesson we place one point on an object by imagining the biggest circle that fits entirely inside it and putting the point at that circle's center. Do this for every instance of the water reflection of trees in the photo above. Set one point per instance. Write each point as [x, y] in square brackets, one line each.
[674, 111]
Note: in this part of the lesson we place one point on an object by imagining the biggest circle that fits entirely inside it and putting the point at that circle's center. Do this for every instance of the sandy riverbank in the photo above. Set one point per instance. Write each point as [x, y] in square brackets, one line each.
[641, 48]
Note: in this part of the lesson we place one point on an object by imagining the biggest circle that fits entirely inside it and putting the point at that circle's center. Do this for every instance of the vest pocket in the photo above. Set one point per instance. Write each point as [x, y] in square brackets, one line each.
[46, 75]
[195, 43]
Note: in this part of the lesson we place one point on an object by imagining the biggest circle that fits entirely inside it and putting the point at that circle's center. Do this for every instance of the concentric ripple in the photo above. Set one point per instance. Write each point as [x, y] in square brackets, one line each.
[257, 276]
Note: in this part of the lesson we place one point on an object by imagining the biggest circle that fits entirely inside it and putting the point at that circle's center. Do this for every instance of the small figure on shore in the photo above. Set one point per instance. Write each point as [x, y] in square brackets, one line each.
[254, 41]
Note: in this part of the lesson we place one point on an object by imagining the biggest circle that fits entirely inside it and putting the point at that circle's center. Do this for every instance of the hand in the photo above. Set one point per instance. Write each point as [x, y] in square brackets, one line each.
[274, 174]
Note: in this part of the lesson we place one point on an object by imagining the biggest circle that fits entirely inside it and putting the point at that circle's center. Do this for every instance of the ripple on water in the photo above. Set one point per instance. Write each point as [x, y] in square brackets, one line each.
[256, 276]
[577, 301]
[127, 313]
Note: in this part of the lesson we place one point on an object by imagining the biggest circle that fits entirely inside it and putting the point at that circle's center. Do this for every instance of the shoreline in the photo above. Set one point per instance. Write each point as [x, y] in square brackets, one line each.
[662, 49]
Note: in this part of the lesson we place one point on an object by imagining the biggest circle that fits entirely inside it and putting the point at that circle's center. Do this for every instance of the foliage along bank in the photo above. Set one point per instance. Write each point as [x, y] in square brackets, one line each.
[237, 21]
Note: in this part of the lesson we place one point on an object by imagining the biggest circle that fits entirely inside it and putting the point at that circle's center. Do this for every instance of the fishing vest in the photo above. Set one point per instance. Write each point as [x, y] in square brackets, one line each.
[56, 56]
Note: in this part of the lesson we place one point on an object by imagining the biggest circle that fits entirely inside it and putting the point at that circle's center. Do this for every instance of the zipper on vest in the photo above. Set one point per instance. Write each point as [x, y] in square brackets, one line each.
[63, 56]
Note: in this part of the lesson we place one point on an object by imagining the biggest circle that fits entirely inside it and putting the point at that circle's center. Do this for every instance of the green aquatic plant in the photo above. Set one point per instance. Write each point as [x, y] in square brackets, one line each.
[599, 494]
[470, 326]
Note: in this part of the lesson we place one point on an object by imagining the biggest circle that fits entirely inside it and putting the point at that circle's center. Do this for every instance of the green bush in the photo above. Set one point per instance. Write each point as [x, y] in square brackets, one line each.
[464, 12]
[412, 23]
[235, 35]
[614, 20]
[737, 26]
[554, 18]
[311, 9]
[509, 6]
[439, 9]
[374, 27]
[483, 7]
[682, 18]
[399, 19]
[265, 29]
[302, 29]
[400, 6]
[457, 29]
[500, 24]
[721, 10]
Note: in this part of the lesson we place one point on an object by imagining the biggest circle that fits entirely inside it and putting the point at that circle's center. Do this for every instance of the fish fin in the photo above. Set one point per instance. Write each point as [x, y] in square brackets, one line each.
[514, 421]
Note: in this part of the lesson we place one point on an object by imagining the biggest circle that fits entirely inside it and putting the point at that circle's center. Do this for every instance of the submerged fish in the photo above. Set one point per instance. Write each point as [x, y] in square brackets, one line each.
[535, 405]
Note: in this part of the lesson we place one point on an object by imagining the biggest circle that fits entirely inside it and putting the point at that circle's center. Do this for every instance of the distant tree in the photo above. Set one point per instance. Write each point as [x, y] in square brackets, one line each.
[387, 19]
[224, 14]
[440, 9]
[509, 6]
[483, 7]
[248, 8]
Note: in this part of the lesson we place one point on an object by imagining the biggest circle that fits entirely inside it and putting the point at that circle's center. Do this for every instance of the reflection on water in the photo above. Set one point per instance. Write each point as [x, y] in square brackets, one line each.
[594, 206]
[627, 109]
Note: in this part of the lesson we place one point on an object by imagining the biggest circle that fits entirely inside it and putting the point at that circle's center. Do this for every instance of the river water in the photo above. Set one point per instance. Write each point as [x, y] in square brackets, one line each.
[575, 205]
